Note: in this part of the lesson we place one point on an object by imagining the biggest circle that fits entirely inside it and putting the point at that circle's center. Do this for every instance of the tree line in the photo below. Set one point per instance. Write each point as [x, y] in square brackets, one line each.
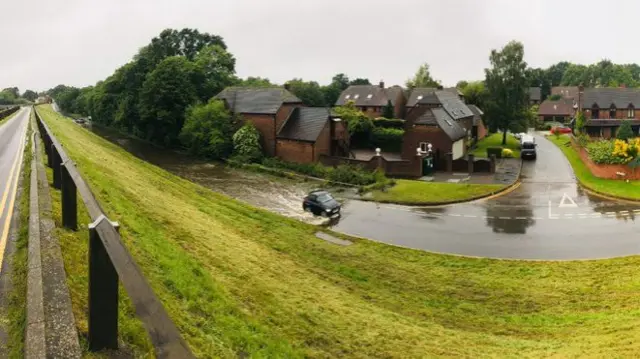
[12, 96]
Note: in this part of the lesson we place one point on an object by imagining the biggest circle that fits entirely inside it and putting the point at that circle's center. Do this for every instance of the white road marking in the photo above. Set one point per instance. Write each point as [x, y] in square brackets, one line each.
[468, 216]
[624, 212]
[565, 198]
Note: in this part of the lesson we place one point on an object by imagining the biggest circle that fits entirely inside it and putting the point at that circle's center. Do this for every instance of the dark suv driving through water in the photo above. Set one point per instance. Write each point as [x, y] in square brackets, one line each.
[320, 202]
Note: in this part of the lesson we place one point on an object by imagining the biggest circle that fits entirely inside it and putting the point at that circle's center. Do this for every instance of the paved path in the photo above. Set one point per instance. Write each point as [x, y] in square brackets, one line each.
[547, 217]
[12, 140]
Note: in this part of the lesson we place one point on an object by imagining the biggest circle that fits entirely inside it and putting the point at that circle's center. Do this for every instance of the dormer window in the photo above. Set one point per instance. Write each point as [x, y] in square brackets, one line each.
[355, 97]
[612, 111]
[595, 111]
[419, 97]
[631, 111]
[369, 96]
[347, 97]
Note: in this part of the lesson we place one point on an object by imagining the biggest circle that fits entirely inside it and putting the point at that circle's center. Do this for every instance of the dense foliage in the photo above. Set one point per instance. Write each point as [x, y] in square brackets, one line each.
[508, 91]
[11, 96]
[208, 130]
[388, 122]
[605, 152]
[358, 124]
[355, 175]
[246, 143]
[422, 78]
[387, 139]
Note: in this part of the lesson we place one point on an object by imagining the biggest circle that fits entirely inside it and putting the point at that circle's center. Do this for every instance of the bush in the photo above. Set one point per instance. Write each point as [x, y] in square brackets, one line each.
[625, 132]
[246, 143]
[497, 151]
[208, 130]
[354, 175]
[507, 153]
[389, 122]
[387, 139]
[583, 140]
[602, 152]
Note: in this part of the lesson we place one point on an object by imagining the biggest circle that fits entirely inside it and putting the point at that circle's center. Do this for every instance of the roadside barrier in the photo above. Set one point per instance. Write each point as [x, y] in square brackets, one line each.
[109, 263]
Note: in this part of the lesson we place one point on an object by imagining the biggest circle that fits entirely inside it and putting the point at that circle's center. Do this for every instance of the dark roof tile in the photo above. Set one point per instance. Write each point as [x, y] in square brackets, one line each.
[305, 124]
[440, 117]
[606, 96]
[256, 100]
[563, 107]
[369, 95]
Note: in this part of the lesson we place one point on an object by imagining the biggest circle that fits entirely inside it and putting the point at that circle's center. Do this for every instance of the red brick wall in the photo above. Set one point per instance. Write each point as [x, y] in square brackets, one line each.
[372, 111]
[605, 171]
[467, 123]
[482, 130]
[283, 113]
[295, 151]
[323, 143]
[604, 114]
[432, 134]
[264, 124]
[607, 133]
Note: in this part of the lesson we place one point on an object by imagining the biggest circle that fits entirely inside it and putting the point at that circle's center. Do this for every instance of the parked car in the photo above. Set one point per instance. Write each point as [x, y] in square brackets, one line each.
[528, 147]
[321, 202]
[561, 129]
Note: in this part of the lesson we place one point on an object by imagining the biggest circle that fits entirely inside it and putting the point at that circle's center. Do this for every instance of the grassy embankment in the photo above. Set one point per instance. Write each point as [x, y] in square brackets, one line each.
[495, 140]
[418, 192]
[615, 188]
[238, 280]
[5, 119]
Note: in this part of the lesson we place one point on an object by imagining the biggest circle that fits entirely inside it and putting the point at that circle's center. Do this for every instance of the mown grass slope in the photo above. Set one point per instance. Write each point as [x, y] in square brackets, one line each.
[238, 280]
[419, 192]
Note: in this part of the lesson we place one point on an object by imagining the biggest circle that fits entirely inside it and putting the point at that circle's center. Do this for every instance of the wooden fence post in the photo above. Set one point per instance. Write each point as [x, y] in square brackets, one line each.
[56, 165]
[69, 198]
[103, 294]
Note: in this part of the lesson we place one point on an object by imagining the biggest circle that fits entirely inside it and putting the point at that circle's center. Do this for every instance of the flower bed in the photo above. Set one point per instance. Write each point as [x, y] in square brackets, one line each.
[602, 170]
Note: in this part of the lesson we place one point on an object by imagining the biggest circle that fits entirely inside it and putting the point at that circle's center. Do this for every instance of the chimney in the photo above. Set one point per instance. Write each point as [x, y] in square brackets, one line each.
[286, 86]
[381, 84]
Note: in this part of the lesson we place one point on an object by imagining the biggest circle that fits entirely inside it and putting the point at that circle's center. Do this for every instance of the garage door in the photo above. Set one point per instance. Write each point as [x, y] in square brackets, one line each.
[458, 149]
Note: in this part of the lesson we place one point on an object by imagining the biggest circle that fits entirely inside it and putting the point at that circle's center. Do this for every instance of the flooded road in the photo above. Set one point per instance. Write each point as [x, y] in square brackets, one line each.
[548, 217]
[283, 196]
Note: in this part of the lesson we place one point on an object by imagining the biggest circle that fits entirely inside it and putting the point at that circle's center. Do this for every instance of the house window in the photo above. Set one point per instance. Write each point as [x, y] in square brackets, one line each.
[364, 108]
[595, 113]
[612, 112]
[423, 147]
[631, 112]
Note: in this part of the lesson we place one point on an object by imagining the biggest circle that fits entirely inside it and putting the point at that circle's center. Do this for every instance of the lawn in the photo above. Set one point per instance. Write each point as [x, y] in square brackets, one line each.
[495, 140]
[419, 192]
[616, 188]
[240, 281]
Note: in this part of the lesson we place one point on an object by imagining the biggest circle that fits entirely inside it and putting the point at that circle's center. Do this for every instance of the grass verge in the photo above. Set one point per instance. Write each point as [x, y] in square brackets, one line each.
[17, 308]
[615, 188]
[429, 193]
[495, 140]
[240, 281]
[5, 119]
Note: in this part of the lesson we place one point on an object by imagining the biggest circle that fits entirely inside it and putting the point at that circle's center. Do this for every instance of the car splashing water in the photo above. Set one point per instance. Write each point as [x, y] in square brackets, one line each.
[282, 196]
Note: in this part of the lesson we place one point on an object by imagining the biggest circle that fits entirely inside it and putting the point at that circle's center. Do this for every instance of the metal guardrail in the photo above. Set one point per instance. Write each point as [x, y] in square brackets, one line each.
[109, 263]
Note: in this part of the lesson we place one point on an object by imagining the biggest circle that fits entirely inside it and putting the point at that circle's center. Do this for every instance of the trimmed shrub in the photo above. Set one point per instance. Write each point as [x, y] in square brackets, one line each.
[602, 152]
[625, 132]
[507, 153]
[246, 143]
[387, 139]
[354, 175]
[497, 151]
[389, 122]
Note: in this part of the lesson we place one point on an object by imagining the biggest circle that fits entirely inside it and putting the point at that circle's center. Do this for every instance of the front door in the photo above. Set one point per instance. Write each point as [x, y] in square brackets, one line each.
[427, 166]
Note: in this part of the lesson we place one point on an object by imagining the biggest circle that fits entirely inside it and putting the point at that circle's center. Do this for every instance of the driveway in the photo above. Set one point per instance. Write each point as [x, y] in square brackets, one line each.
[547, 217]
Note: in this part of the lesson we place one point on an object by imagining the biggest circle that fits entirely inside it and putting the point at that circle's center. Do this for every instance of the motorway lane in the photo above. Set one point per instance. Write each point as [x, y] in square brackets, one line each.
[548, 217]
[12, 140]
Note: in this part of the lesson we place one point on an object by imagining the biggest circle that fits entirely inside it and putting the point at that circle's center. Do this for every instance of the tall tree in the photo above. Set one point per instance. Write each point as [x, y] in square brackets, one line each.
[30, 95]
[339, 83]
[461, 84]
[13, 91]
[165, 95]
[208, 130]
[255, 82]
[215, 71]
[309, 92]
[360, 81]
[507, 87]
[475, 93]
[422, 78]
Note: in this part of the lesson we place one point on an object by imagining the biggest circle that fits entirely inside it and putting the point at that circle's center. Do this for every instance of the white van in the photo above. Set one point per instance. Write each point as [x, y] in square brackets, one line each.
[528, 147]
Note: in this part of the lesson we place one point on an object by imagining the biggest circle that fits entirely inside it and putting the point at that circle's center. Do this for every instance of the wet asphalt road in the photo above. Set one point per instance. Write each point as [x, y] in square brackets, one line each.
[547, 217]
[12, 135]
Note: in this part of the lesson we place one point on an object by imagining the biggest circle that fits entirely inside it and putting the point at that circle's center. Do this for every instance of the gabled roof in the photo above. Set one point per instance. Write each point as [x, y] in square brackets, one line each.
[535, 93]
[610, 122]
[562, 107]
[369, 95]
[476, 111]
[439, 117]
[453, 105]
[305, 123]
[419, 93]
[606, 96]
[256, 100]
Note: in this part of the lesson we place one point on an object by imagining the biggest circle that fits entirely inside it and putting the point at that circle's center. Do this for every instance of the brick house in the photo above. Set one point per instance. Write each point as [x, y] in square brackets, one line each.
[559, 111]
[310, 132]
[604, 110]
[479, 130]
[535, 95]
[437, 117]
[372, 99]
[288, 129]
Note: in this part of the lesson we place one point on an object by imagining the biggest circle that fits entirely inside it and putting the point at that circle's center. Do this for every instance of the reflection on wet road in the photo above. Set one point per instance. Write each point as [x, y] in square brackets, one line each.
[547, 217]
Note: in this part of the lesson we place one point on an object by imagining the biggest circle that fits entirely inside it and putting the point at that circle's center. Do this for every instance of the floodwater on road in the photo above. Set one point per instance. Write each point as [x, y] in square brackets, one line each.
[283, 196]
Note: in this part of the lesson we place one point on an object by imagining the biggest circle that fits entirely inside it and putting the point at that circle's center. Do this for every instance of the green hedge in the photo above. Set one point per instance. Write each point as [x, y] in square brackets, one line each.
[389, 122]
[387, 139]
[354, 175]
[497, 151]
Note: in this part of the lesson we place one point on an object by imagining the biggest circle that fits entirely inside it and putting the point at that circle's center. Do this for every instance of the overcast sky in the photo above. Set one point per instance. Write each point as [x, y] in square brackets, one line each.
[78, 42]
